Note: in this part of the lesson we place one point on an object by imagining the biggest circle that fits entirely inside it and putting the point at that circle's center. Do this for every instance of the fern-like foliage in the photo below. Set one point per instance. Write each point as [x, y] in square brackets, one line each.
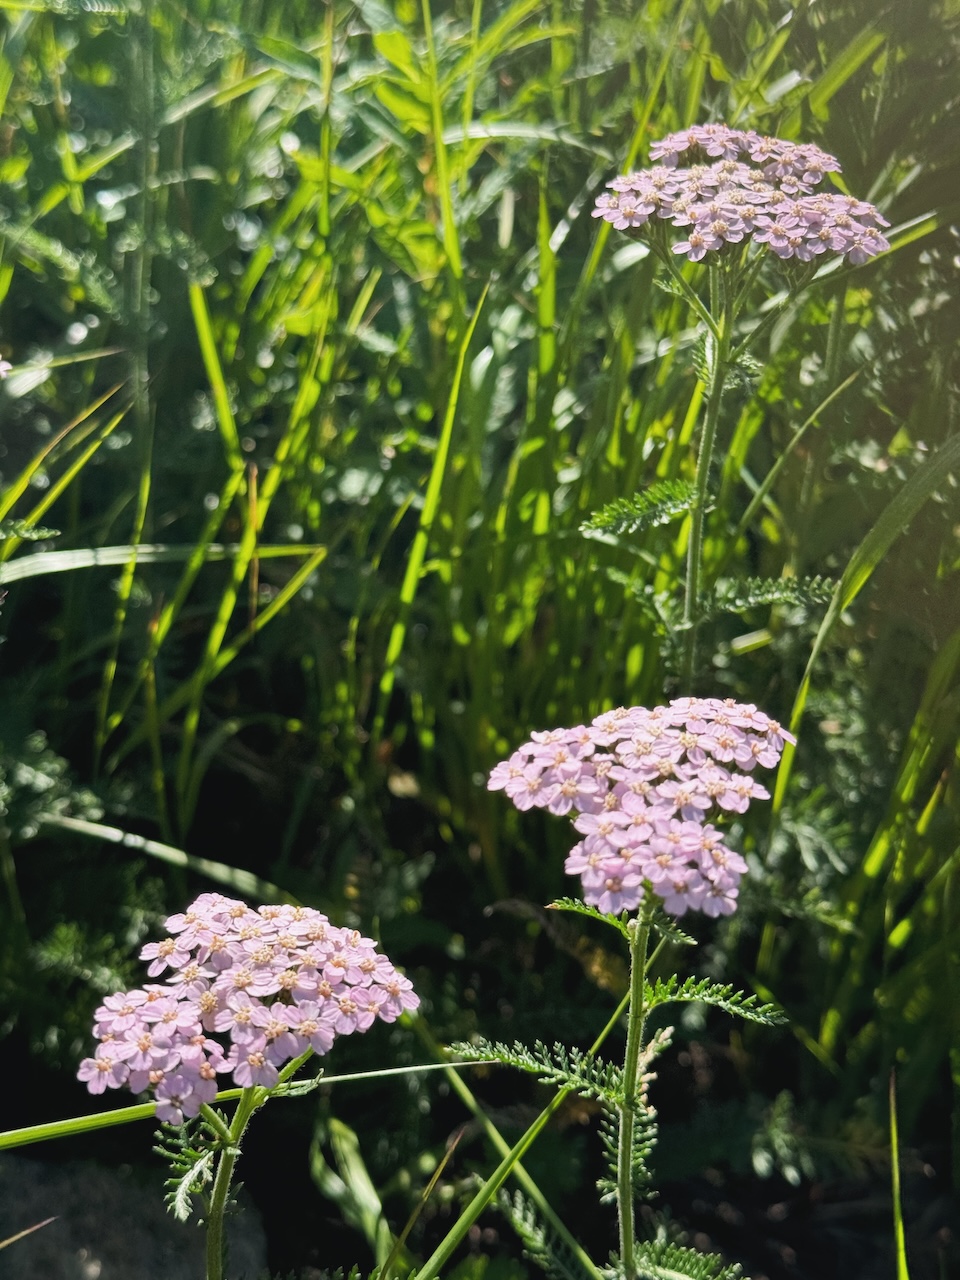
[26, 531]
[190, 1150]
[742, 374]
[733, 595]
[660, 1260]
[579, 908]
[644, 1137]
[722, 995]
[659, 504]
[297, 1088]
[568, 1068]
[668, 928]
[338, 1274]
[641, 1148]
[661, 923]
[540, 1244]
[666, 284]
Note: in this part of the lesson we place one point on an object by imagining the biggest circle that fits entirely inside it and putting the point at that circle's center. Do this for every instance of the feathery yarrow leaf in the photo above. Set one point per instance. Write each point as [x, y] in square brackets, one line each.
[190, 1150]
[182, 1190]
[26, 531]
[722, 995]
[569, 1068]
[732, 595]
[668, 928]
[594, 913]
[658, 504]
[540, 1244]
[645, 1132]
[660, 1260]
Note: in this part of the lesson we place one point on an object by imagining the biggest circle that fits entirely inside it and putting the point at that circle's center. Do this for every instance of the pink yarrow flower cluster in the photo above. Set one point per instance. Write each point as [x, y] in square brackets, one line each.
[243, 992]
[639, 786]
[743, 185]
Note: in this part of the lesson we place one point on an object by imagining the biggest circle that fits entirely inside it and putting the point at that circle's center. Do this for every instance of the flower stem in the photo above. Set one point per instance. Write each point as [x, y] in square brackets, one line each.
[250, 1100]
[718, 356]
[639, 938]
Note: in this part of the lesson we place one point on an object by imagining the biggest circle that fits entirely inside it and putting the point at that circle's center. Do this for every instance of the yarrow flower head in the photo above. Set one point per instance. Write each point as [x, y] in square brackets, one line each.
[640, 786]
[243, 992]
[742, 185]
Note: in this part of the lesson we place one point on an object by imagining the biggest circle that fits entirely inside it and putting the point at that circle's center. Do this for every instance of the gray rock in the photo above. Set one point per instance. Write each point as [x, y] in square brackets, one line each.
[111, 1224]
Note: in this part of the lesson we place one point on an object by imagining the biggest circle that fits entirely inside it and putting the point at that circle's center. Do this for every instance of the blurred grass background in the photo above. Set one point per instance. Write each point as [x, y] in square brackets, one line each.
[319, 365]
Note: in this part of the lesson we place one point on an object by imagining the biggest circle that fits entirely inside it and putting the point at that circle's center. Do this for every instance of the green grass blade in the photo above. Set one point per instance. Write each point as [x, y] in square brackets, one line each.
[181, 697]
[62, 483]
[903, 1270]
[279, 601]
[245, 882]
[846, 64]
[530, 1188]
[351, 1188]
[53, 1129]
[44, 562]
[80, 1124]
[218, 385]
[411, 577]
[442, 1254]
[217, 658]
[22, 482]
[771, 477]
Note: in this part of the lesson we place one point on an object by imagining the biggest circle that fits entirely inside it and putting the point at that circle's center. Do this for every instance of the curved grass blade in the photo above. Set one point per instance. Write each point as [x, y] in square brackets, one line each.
[44, 562]
[903, 1270]
[893, 520]
[770, 478]
[177, 700]
[235, 878]
[418, 550]
[451, 240]
[510, 1163]
[22, 482]
[351, 1188]
[398, 1245]
[218, 385]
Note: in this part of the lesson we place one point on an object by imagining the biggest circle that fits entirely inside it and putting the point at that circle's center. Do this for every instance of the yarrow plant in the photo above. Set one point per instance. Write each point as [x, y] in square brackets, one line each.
[740, 200]
[639, 785]
[248, 994]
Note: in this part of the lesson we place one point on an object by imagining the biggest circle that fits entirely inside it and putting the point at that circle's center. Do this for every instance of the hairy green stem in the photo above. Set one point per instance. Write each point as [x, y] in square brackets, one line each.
[690, 294]
[251, 1100]
[216, 1251]
[636, 1016]
[718, 355]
